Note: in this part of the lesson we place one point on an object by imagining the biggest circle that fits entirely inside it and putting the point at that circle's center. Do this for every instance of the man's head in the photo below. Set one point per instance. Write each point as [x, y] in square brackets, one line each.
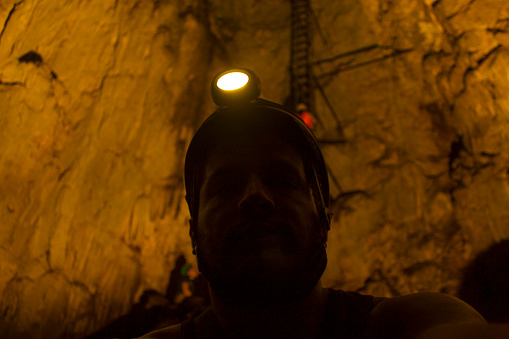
[257, 190]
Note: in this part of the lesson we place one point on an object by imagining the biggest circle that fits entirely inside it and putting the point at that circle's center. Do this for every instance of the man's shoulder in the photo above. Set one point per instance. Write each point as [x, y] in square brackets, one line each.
[426, 304]
[346, 299]
[408, 315]
[166, 333]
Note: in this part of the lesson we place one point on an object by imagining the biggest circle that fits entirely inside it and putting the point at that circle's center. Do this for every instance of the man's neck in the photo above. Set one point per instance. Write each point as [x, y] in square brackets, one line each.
[300, 318]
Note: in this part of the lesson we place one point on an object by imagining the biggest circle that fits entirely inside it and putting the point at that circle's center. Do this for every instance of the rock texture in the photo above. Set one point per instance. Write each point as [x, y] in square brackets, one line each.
[99, 99]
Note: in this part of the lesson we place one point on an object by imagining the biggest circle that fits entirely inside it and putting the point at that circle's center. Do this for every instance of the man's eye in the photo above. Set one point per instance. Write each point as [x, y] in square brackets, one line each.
[289, 183]
[223, 188]
[285, 182]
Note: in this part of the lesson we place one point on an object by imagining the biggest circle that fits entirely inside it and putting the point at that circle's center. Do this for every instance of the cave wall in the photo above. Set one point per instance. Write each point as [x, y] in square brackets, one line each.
[99, 99]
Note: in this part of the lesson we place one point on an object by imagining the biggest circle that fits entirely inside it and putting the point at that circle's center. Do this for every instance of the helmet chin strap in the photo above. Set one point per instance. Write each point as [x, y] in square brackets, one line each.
[308, 277]
[312, 274]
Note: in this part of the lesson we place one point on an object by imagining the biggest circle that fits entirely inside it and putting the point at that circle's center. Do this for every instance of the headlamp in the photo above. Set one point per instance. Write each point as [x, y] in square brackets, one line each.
[235, 86]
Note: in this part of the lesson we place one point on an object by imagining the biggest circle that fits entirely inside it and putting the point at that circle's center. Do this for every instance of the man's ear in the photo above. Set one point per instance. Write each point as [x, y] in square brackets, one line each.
[325, 219]
[192, 234]
[325, 235]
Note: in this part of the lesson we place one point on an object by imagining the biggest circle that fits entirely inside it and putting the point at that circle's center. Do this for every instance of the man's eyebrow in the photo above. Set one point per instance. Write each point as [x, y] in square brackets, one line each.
[224, 171]
[277, 165]
[284, 166]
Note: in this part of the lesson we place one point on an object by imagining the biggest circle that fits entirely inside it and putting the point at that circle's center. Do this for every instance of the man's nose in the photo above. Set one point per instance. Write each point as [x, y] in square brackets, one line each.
[256, 202]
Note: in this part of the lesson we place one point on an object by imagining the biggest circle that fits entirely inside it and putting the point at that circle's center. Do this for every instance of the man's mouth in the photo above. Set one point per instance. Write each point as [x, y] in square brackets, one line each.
[262, 239]
[253, 228]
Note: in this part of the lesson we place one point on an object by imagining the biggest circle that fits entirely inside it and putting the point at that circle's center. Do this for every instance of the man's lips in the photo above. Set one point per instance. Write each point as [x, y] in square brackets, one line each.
[255, 229]
[261, 233]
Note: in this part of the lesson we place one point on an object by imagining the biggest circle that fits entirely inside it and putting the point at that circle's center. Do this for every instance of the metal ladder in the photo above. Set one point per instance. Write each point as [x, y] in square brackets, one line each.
[302, 81]
[301, 91]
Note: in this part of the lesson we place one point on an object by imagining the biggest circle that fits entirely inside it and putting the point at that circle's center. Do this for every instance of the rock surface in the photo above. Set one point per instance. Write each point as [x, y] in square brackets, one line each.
[99, 99]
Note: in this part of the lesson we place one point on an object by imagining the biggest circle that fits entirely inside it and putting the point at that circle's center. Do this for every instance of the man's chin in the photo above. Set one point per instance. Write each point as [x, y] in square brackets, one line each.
[262, 282]
[268, 261]
[272, 273]
[259, 291]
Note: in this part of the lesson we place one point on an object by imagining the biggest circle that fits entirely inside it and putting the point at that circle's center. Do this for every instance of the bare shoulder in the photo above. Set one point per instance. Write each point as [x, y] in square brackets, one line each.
[166, 333]
[429, 304]
[409, 315]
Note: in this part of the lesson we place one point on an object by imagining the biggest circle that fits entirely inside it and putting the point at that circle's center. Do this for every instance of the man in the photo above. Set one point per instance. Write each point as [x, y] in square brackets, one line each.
[257, 190]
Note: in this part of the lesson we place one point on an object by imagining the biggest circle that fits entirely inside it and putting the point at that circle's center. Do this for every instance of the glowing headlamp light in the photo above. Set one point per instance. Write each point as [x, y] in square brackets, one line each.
[235, 86]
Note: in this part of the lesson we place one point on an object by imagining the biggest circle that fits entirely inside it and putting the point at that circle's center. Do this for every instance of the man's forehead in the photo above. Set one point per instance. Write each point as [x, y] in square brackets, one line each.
[252, 152]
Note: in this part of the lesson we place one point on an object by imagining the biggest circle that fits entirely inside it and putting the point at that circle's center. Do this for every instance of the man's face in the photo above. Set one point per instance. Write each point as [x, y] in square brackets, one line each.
[257, 224]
